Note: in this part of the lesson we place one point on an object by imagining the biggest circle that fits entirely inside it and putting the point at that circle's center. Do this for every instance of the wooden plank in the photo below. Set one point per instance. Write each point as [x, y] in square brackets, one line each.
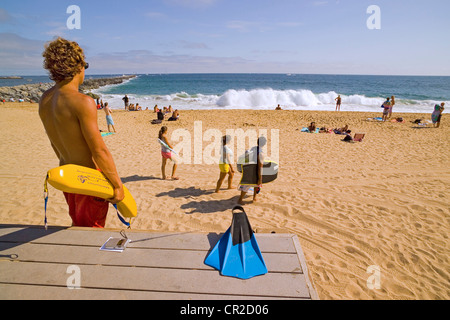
[154, 266]
[92, 237]
[302, 260]
[158, 258]
[36, 292]
[155, 279]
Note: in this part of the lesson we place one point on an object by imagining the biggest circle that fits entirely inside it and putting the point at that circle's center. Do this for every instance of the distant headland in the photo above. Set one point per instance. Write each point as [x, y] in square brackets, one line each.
[33, 92]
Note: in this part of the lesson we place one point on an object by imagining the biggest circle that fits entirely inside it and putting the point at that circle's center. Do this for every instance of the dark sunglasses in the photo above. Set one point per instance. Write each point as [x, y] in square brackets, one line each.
[86, 66]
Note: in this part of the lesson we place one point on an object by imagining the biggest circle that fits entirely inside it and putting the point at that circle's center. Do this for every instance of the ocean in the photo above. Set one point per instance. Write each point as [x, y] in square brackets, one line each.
[413, 94]
[291, 91]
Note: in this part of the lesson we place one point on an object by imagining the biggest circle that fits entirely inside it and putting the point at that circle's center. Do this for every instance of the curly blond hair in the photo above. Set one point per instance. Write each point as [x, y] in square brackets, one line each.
[63, 59]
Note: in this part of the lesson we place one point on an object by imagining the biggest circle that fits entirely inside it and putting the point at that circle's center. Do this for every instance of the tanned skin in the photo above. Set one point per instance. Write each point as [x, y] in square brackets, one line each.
[70, 120]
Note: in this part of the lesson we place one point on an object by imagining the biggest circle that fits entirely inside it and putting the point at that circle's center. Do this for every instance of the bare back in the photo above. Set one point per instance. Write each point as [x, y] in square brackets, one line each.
[63, 113]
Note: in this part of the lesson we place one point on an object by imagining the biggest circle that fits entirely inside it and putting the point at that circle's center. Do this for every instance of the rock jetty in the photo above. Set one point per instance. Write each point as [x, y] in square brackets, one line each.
[33, 92]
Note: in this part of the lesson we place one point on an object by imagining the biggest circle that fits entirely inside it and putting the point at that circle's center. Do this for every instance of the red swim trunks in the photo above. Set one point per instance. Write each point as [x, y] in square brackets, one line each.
[87, 211]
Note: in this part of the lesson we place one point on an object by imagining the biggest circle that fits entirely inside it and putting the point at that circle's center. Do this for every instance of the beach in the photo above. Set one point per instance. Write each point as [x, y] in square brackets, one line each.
[382, 202]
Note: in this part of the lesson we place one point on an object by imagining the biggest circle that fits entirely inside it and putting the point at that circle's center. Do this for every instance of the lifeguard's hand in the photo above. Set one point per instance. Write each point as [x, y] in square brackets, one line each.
[119, 195]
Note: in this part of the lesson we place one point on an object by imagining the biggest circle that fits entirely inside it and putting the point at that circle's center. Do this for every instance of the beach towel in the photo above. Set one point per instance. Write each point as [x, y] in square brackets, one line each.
[307, 130]
[436, 113]
[104, 134]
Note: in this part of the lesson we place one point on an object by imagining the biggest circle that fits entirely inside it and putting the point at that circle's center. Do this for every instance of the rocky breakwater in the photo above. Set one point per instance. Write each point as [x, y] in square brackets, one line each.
[33, 92]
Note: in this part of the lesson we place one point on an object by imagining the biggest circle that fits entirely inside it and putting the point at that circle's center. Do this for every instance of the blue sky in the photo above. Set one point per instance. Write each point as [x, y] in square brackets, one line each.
[245, 36]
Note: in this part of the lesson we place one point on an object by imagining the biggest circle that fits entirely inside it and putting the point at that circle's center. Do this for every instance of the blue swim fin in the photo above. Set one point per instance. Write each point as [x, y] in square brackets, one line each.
[237, 253]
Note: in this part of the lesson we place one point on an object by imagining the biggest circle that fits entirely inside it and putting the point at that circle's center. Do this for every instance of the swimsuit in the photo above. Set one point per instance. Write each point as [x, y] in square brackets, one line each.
[167, 154]
[109, 120]
[224, 166]
[87, 211]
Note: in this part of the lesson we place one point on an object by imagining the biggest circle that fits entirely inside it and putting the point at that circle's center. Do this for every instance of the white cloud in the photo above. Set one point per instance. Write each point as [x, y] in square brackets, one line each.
[242, 26]
[20, 56]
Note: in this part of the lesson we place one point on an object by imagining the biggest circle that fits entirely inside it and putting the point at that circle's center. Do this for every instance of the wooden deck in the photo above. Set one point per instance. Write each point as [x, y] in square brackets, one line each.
[34, 264]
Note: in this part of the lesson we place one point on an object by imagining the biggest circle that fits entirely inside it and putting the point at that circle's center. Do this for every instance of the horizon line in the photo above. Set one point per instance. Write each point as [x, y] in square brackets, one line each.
[243, 73]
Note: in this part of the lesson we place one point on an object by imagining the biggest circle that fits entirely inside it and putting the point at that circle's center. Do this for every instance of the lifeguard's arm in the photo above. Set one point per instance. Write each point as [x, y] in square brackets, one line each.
[100, 154]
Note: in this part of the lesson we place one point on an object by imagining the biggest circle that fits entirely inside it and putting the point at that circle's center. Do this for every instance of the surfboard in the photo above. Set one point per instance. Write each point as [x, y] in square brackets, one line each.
[82, 180]
[249, 170]
[165, 145]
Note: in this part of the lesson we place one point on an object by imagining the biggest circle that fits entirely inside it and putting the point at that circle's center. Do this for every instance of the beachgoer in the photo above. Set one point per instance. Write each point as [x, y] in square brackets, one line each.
[170, 109]
[109, 119]
[386, 106]
[259, 159]
[166, 154]
[156, 109]
[341, 130]
[138, 107]
[175, 116]
[338, 103]
[348, 136]
[225, 164]
[131, 107]
[278, 108]
[391, 106]
[312, 127]
[437, 114]
[70, 121]
[126, 100]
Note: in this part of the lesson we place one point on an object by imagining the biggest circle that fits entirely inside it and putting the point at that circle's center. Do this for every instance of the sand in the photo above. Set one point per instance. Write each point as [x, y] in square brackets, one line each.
[383, 202]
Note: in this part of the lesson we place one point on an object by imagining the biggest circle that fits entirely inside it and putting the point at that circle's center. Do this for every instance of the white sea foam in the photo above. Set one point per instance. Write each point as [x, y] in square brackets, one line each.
[267, 99]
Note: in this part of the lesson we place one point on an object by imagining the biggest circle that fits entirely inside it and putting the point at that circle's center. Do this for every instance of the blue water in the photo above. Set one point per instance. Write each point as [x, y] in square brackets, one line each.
[412, 88]
[266, 91]
[291, 91]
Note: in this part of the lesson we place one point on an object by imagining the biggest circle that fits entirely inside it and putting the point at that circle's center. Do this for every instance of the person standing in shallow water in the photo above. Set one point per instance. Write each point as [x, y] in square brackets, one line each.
[338, 103]
[126, 101]
[70, 121]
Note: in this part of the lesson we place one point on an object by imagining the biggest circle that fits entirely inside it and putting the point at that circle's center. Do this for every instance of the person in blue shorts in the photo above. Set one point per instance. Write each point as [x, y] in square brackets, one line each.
[109, 119]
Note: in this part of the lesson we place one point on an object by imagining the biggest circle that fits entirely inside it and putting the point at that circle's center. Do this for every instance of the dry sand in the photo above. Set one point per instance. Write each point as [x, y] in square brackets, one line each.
[383, 202]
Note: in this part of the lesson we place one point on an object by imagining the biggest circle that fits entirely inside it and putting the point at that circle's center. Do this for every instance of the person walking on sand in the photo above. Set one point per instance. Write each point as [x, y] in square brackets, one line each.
[166, 153]
[70, 121]
[225, 164]
[258, 158]
[437, 114]
[109, 119]
[338, 103]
